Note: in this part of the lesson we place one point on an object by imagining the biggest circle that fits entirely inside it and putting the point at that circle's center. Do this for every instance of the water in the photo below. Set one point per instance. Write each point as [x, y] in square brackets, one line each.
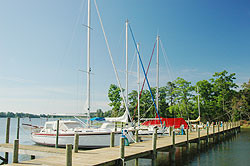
[24, 137]
[233, 151]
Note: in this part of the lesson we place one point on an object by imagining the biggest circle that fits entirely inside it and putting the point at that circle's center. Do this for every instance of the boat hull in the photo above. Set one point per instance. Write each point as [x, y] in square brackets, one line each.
[85, 140]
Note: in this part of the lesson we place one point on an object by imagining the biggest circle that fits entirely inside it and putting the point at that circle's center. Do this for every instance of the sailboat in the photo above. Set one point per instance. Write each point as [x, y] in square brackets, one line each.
[162, 124]
[148, 129]
[89, 137]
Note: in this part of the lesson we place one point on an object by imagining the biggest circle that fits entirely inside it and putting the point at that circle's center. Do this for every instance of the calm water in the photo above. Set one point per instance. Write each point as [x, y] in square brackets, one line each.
[234, 151]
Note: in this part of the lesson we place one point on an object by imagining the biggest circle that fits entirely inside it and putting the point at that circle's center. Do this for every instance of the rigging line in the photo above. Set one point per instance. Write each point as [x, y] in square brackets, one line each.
[167, 65]
[111, 58]
[144, 72]
[130, 70]
[119, 47]
[167, 61]
[144, 78]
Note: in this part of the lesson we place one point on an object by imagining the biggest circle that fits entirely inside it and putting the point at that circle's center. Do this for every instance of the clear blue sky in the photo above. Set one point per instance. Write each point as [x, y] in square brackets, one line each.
[43, 46]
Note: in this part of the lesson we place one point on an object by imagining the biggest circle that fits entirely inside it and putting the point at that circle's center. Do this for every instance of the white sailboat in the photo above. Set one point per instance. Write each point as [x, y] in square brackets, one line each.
[89, 137]
[145, 130]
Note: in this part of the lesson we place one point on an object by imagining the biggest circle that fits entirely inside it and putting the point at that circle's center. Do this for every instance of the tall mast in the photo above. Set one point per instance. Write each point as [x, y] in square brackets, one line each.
[157, 74]
[88, 63]
[138, 83]
[199, 103]
[127, 64]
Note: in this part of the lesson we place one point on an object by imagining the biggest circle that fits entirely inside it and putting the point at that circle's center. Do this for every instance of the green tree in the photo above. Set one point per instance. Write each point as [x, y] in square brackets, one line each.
[170, 97]
[99, 113]
[183, 91]
[115, 99]
[207, 101]
[223, 89]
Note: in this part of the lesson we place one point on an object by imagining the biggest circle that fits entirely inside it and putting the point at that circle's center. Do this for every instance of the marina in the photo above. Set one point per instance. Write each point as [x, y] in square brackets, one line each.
[132, 83]
[118, 155]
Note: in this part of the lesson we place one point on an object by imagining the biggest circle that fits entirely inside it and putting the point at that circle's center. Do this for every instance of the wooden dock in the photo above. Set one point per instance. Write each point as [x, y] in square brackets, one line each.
[111, 156]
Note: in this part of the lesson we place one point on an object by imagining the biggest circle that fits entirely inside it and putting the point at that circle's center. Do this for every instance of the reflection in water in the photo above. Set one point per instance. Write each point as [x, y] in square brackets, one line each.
[232, 151]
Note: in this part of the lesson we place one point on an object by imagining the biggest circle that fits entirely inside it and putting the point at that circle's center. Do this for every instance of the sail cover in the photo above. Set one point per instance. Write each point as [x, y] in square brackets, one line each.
[123, 118]
[176, 122]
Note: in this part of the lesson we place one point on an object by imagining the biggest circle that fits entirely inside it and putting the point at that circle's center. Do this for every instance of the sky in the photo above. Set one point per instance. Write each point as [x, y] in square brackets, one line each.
[43, 48]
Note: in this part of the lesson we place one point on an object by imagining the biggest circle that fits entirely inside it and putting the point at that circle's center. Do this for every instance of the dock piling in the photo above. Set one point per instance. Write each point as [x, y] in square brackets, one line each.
[76, 143]
[15, 151]
[136, 136]
[172, 153]
[112, 139]
[154, 141]
[207, 140]
[115, 126]
[57, 133]
[199, 135]
[187, 136]
[69, 155]
[170, 130]
[122, 148]
[18, 128]
[7, 139]
[32, 157]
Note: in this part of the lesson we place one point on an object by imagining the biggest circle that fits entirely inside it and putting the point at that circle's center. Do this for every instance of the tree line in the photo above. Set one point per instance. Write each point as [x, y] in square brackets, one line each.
[220, 98]
[20, 115]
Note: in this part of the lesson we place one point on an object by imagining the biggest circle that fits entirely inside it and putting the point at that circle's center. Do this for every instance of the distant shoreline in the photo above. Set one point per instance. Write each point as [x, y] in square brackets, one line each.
[28, 115]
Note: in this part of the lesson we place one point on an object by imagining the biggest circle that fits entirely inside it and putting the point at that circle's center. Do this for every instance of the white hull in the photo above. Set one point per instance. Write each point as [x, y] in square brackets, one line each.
[85, 140]
[149, 130]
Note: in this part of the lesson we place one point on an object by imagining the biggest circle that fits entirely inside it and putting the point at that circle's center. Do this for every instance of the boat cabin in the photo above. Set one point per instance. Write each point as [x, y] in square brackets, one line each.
[50, 126]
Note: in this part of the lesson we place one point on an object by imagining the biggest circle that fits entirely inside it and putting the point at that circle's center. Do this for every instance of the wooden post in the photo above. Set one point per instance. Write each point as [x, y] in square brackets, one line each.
[57, 133]
[170, 130]
[207, 141]
[172, 153]
[136, 136]
[223, 130]
[18, 128]
[213, 134]
[115, 126]
[7, 138]
[187, 136]
[69, 155]
[76, 143]
[15, 151]
[218, 128]
[136, 162]
[122, 148]
[199, 134]
[112, 139]
[173, 139]
[154, 141]
[239, 126]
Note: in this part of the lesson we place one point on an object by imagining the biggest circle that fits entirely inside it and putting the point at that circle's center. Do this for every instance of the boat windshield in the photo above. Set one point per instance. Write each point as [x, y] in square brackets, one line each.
[49, 126]
[73, 125]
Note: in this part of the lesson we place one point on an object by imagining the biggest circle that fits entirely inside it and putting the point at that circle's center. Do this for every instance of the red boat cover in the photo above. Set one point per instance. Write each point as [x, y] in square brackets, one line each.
[176, 122]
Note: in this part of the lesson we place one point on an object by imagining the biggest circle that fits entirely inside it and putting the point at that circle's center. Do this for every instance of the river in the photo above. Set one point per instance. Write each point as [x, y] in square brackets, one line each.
[233, 151]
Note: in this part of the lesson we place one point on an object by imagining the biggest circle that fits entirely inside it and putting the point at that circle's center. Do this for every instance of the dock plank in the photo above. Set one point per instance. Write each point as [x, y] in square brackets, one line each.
[105, 156]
